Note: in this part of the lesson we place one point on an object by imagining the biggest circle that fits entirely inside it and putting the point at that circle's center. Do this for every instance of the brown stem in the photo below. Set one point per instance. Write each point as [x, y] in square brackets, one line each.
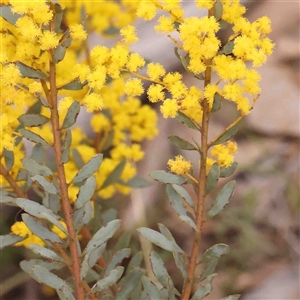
[65, 202]
[11, 181]
[187, 289]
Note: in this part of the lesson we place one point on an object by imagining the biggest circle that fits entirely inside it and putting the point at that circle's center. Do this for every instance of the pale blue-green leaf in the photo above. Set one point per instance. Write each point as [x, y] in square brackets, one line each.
[226, 136]
[115, 175]
[59, 53]
[30, 72]
[181, 143]
[8, 15]
[33, 120]
[9, 158]
[89, 168]
[184, 194]
[159, 239]
[117, 259]
[102, 235]
[71, 115]
[6, 199]
[9, 239]
[137, 293]
[86, 192]
[44, 184]
[135, 262]
[34, 167]
[158, 268]
[166, 232]
[36, 108]
[227, 49]
[164, 177]
[217, 102]
[65, 293]
[66, 150]
[225, 172]
[33, 137]
[222, 199]
[123, 241]
[75, 85]
[218, 10]
[46, 253]
[179, 261]
[38, 155]
[90, 259]
[129, 283]
[232, 297]
[77, 159]
[203, 291]
[136, 182]
[52, 202]
[223, 25]
[27, 265]
[171, 289]
[209, 269]
[37, 210]
[186, 120]
[176, 201]
[83, 216]
[109, 215]
[109, 140]
[111, 278]
[189, 221]
[150, 288]
[213, 252]
[212, 178]
[40, 230]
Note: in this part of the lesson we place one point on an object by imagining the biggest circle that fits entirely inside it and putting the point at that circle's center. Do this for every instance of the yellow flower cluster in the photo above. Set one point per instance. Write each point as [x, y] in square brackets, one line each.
[179, 165]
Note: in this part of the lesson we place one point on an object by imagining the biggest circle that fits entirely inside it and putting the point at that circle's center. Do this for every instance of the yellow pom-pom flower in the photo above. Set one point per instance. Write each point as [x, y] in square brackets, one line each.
[77, 32]
[129, 34]
[179, 165]
[134, 87]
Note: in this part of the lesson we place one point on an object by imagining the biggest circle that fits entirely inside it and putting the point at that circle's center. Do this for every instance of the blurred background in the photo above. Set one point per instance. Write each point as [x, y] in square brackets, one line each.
[261, 224]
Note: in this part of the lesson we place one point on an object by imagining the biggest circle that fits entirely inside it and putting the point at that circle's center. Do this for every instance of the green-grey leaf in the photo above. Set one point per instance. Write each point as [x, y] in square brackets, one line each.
[225, 172]
[44, 184]
[6, 199]
[33, 137]
[227, 49]
[34, 167]
[65, 293]
[184, 194]
[103, 234]
[232, 297]
[109, 140]
[90, 259]
[165, 177]
[223, 25]
[71, 115]
[83, 216]
[212, 178]
[59, 53]
[39, 211]
[186, 120]
[8, 15]
[33, 120]
[213, 252]
[129, 284]
[222, 199]
[45, 252]
[115, 175]
[135, 262]
[166, 232]
[150, 288]
[30, 72]
[180, 263]
[111, 278]
[75, 85]
[159, 239]
[176, 201]
[217, 102]
[38, 156]
[89, 168]
[136, 182]
[52, 202]
[27, 265]
[77, 159]
[86, 192]
[9, 158]
[189, 221]
[203, 291]
[209, 269]
[117, 259]
[123, 241]
[226, 136]
[40, 230]
[36, 108]
[158, 268]
[181, 143]
[218, 10]
[67, 143]
[9, 239]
